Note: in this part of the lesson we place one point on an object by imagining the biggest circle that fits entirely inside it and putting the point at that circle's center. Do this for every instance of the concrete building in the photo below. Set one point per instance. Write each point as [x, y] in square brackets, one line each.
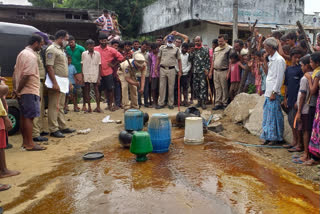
[209, 18]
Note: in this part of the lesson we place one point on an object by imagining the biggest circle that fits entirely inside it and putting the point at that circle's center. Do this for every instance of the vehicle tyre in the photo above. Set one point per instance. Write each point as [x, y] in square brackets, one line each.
[14, 116]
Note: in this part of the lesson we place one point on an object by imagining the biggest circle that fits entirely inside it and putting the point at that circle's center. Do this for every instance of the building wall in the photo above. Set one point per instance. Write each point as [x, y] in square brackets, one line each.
[206, 30]
[312, 20]
[164, 13]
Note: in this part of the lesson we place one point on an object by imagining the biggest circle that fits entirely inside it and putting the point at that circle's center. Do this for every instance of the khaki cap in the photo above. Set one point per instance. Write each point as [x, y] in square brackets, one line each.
[139, 60]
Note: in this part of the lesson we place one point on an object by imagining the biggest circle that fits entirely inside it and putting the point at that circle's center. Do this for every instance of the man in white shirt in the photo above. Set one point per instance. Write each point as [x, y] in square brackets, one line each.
[91, 69]
[272, 124]
[186, 66]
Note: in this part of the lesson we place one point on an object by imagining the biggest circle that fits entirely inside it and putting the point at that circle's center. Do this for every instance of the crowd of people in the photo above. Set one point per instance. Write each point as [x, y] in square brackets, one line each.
[154, 74]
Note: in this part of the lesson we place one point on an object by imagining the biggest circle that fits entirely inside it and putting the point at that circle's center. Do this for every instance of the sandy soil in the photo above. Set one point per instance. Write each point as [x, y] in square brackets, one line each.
[33, 164]
[280, 157]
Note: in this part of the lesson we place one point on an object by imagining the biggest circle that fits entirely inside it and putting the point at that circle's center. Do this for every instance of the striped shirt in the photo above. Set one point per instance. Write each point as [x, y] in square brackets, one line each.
[106, 21]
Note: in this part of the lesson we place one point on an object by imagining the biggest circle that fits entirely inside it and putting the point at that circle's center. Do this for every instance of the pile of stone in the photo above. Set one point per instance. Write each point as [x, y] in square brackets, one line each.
[247, 109]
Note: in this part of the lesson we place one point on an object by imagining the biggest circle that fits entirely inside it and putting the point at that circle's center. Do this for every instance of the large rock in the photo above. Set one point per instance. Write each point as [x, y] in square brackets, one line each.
[238, 110]
[254, 123]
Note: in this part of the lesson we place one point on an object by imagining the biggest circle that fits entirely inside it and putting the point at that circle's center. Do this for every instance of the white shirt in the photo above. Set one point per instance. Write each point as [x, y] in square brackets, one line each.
[185, 64]
[276, 69]
[90, 66]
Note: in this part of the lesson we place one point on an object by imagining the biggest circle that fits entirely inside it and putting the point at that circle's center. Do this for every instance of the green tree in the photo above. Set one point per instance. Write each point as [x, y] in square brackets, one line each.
[129, 11]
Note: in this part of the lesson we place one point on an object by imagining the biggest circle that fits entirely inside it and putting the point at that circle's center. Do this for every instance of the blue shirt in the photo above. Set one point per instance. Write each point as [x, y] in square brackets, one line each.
[71, 72]
[292, 77]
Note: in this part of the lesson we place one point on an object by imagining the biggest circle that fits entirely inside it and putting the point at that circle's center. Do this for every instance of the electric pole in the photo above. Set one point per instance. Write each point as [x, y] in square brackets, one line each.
[235, 21]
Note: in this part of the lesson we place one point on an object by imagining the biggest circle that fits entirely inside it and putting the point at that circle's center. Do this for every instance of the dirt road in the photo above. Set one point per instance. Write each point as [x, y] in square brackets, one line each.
[216, 177]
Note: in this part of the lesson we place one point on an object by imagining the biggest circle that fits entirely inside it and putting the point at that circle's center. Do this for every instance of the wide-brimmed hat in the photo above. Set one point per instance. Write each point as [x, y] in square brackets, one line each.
[139, 60]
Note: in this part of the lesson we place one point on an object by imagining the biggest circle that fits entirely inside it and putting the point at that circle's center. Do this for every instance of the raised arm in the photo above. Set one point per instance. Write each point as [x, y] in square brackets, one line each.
[185, 37]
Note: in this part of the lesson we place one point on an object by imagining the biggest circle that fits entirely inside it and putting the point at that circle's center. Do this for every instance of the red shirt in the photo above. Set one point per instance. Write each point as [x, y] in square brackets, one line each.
[108, 54]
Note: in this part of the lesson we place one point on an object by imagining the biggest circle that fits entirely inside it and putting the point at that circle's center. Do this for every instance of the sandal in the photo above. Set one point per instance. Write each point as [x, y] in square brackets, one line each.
[112, 108]
[288, 146]
[36, 148]
[4, 187]
[295, 156]
[295, 149]
[297, 161]
[265, 142]
[310, 162]
[274, 143]
[98, 110]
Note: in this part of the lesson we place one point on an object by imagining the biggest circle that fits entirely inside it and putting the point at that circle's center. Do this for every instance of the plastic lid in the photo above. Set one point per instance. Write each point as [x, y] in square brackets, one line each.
[160, 115]
[93, 156]
[194, 118]
[133, 110]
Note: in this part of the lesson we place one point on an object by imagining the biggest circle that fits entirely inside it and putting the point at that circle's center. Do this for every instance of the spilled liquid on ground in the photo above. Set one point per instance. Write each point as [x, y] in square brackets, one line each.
[212, 178]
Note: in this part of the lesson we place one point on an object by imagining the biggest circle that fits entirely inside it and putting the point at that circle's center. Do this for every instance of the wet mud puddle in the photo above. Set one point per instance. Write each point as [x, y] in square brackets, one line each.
[215, 177]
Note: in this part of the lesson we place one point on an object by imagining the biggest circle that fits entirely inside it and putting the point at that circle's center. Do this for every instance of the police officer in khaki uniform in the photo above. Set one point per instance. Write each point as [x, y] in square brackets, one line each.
[127, 75]
[38, 132]
[221, 66]
[168, 56]
[57, 65]
[38, 121]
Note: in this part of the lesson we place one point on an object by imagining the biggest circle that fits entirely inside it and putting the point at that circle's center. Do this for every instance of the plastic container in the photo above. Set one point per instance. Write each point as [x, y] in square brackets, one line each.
[125, 138]
[160, 132]
[145, 118]
[133, 120]
[193, 110]
[193, 133]
[141, 145]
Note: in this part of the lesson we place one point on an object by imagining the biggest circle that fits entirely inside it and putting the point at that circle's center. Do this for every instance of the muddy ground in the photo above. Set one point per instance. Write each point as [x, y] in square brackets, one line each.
[280, 157]
[217, 177]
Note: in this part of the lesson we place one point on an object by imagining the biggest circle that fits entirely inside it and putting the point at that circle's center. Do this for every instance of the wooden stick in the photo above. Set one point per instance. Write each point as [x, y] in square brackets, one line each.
[310, 49]
[179, 95]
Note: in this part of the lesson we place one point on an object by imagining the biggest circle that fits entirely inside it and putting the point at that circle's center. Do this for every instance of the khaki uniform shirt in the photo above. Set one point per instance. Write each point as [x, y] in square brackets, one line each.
[56, 57]
[42, 71]
[124, 69]
[146, 57]
[169, 55]
[221, 57]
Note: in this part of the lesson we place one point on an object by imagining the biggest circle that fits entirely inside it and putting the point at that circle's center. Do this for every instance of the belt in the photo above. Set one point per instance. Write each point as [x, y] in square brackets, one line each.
[221, 69]
[168, 68]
